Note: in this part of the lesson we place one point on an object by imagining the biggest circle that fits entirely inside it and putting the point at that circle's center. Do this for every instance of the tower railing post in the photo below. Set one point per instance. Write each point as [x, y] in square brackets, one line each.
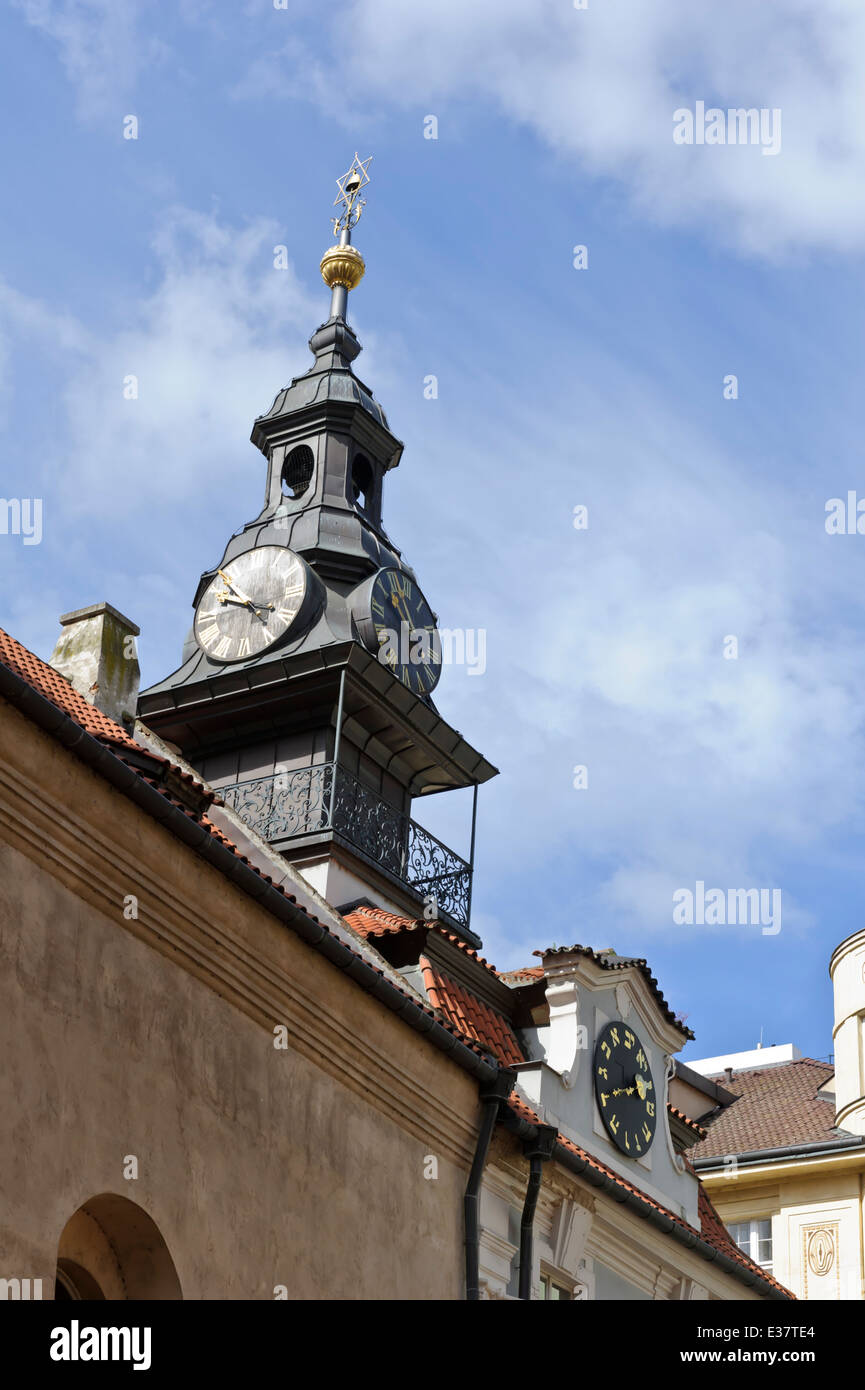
[336, 741]
[472, 856]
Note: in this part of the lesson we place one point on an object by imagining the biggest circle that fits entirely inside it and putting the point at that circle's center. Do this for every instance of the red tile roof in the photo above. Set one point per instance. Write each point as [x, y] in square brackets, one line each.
[608, 960]
[57, 690]
[375, 921]
[712, 1229]
[476, 1024]
[526, 975]
[686, 1120]
[777, 1106]
[472, 1016]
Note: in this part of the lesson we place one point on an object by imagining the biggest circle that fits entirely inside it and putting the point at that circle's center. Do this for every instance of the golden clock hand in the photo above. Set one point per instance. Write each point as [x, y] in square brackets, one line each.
[236, 588]
[243, 597]
[403, 612]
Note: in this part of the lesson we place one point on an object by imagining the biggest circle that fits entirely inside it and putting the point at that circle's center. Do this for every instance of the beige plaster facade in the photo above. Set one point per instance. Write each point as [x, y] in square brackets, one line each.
[146, 1044]
[201, 1106]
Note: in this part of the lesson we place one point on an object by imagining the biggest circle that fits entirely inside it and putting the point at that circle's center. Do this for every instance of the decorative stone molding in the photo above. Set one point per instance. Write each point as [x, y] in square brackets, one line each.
[563, 1053]
[570, 1229]
[820, 1260]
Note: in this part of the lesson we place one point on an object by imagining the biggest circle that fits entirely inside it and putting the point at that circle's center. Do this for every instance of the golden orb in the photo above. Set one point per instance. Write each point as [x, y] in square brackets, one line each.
[342, 265]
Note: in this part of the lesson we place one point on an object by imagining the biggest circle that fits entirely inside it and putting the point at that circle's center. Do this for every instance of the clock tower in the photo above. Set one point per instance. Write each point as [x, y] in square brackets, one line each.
[304, 695]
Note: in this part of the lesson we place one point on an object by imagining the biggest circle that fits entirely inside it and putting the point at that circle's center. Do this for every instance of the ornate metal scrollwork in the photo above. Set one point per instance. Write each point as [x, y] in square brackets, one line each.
[290, 804]
[283, 805]
[433, 869]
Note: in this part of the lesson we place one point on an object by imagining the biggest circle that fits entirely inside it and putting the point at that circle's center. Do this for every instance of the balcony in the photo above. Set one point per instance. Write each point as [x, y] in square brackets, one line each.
[327, 799]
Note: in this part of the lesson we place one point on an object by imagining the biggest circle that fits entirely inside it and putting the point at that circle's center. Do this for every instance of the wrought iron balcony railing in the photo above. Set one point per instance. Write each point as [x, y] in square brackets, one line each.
[314, 800]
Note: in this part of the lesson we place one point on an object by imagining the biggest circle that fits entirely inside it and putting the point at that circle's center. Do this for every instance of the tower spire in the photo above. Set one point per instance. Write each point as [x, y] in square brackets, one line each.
[342, 266]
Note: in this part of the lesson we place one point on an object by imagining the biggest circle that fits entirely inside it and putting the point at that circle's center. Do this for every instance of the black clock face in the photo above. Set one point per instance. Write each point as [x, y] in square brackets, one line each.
[624, 1089]
[405, 631]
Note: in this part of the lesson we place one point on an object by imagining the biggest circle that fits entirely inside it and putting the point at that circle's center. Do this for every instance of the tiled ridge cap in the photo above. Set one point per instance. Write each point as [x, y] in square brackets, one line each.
[525, 974]
[606, 962]
[55, 688]
[827, 1067]
[391, 923]
[712, 1232]
[45, 693]
[686, 1120]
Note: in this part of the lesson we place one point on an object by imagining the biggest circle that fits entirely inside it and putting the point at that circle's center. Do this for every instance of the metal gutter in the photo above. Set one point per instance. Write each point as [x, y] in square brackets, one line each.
[537, 1151]
[757, 1156]
[493, 1098]
[647, 1212]
[97, 756]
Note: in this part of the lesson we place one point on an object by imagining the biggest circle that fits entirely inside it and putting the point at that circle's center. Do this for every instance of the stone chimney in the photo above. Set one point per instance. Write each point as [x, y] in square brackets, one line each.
[97, 654]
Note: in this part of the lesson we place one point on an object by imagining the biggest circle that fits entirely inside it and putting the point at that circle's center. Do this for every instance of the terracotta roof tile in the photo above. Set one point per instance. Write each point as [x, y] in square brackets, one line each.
[686, 1120]
[57, 689]
[776, 1107]
[525, 975]
[474, 1018]
[712, 1228]
[608, 960]
[49, 683]
[375, 921]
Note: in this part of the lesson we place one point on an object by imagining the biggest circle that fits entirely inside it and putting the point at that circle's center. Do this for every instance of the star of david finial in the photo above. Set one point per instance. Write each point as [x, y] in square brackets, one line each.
[348, 197]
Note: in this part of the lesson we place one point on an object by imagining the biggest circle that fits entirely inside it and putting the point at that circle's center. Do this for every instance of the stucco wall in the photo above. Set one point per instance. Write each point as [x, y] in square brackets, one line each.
[821, 1196]
[154, 1038]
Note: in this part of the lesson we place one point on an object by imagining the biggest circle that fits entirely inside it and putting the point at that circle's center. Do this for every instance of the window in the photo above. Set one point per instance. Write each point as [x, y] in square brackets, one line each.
[297, 471]
[554, 1290]
[754, 1238]
[362, 479]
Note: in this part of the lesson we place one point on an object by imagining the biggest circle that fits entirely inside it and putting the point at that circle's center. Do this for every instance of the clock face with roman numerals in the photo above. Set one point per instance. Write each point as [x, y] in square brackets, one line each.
[624, 1089]
[403, 628]
[251, 603]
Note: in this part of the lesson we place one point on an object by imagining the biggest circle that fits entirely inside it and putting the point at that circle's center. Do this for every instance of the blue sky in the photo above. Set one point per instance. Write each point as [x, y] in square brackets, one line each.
[557, 387]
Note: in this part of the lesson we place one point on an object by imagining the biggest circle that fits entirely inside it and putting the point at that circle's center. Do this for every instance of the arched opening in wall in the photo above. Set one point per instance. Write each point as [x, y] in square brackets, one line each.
[362, 480]
[297, 471]
[111, 1249]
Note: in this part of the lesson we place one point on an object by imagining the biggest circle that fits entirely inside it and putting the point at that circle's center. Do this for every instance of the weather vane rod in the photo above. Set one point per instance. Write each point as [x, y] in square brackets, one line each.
[342, 266]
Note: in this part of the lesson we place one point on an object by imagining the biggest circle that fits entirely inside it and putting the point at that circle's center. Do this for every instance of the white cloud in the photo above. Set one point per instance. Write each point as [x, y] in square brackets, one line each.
[103, 46]
[605, 648]
[600, 87]
[221, 328]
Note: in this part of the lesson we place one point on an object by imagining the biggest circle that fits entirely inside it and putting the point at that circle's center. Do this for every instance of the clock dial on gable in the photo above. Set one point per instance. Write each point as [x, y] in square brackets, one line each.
[251, 604]
[625, 1089]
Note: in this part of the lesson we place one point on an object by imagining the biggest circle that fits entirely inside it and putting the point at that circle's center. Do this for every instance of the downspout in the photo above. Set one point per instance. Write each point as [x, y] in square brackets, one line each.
[537, 1151]
[493, 1097]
